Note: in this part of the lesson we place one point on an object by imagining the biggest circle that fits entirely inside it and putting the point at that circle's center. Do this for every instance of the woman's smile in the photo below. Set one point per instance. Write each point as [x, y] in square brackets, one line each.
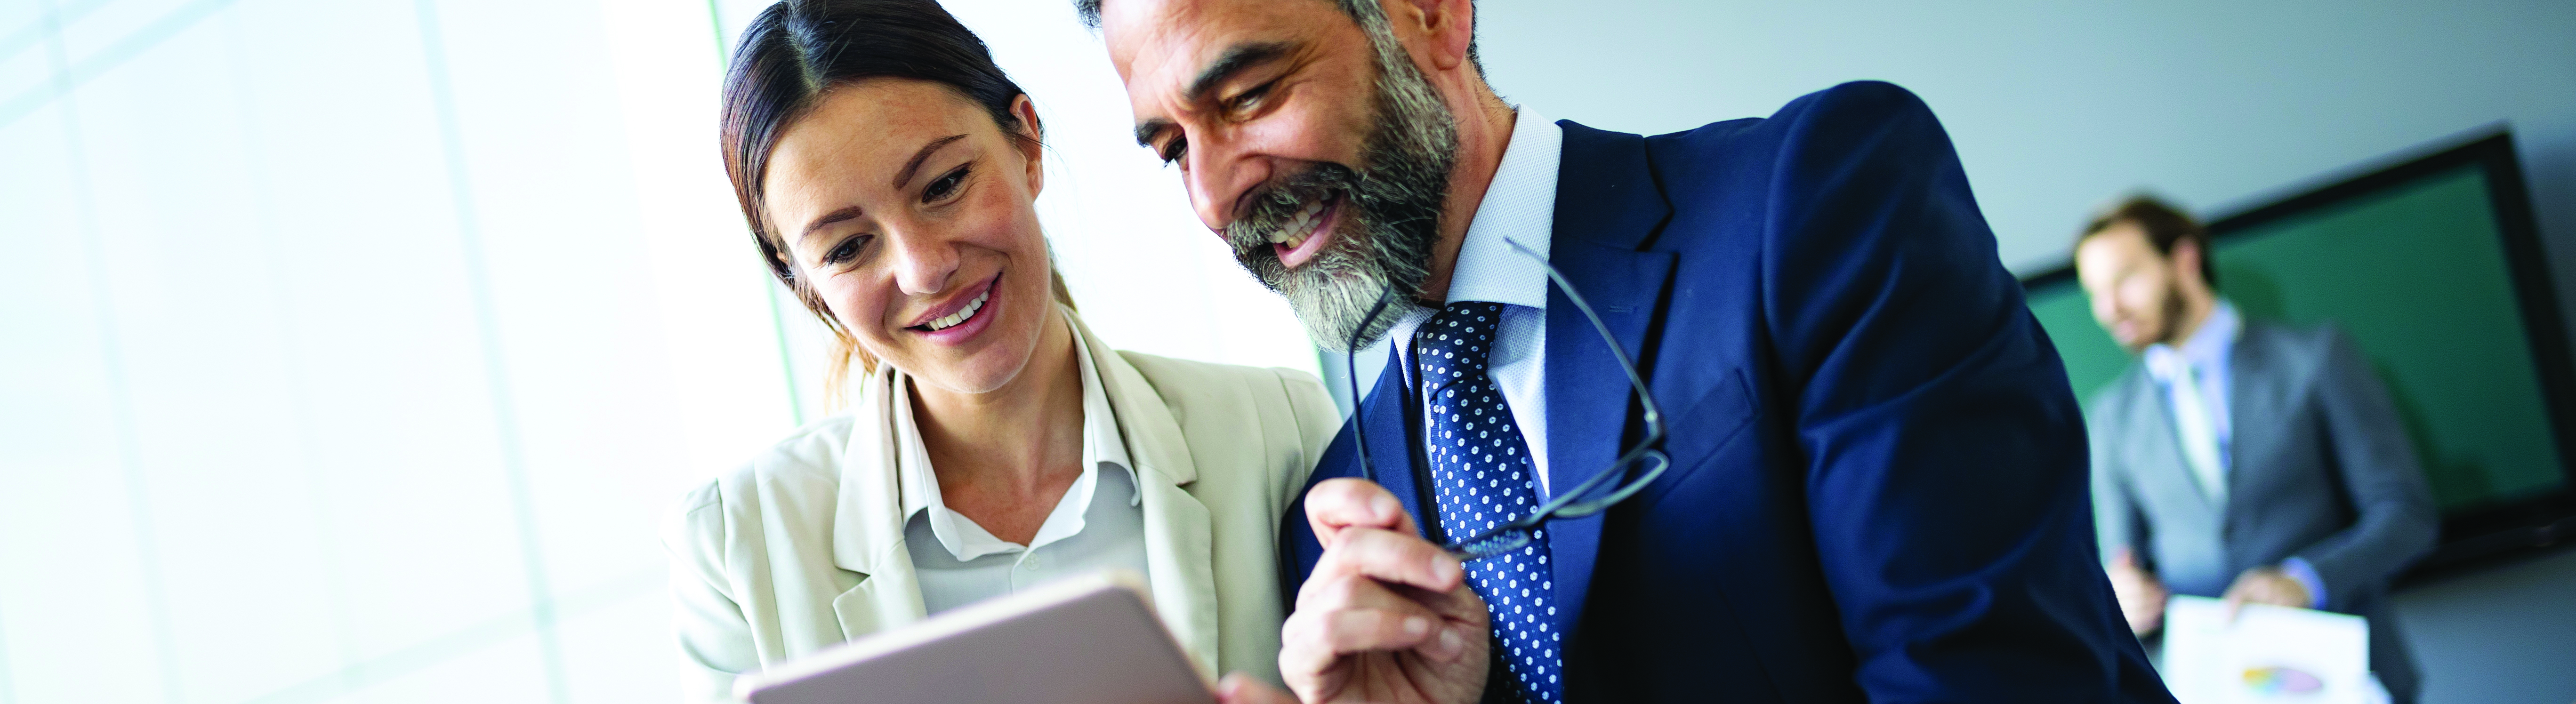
[962, 317]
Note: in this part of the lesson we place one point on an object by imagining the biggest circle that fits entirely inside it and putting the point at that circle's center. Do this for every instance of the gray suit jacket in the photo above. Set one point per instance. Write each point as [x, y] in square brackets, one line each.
[2321, 470]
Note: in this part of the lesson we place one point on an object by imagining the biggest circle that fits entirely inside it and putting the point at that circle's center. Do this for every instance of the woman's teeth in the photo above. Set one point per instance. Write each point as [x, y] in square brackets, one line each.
[953, 319]
[1300, 226]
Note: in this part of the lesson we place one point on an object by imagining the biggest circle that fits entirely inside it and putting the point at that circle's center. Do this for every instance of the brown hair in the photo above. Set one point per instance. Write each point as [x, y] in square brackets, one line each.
[798, 50]
[2164, 224]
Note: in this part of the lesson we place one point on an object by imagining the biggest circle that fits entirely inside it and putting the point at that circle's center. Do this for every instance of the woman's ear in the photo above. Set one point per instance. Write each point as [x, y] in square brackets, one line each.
[1032, 142]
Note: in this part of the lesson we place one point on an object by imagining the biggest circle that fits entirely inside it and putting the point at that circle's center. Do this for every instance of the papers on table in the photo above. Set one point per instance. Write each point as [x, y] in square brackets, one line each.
[2266, 655]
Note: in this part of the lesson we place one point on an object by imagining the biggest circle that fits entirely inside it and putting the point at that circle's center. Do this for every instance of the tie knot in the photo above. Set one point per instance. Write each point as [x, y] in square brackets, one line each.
[1456, 342]
[2166, 364]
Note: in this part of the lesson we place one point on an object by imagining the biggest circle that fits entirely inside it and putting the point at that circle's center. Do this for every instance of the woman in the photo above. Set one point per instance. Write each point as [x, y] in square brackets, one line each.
[889, 172]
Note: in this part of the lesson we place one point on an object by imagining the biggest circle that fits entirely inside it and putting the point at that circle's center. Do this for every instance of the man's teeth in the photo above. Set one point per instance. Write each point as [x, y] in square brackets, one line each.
[964, 314]
[1300, 226]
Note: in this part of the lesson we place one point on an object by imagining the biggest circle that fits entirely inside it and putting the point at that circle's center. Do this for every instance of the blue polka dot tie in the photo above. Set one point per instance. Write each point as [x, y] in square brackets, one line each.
[1483, 478]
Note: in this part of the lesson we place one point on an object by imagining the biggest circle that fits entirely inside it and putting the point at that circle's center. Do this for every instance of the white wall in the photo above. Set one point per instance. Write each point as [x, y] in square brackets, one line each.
[353, 350]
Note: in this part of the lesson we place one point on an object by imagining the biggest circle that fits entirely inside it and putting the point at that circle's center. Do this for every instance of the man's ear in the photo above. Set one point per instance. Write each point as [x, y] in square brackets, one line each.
[1447, 26]
[2186, 261]
[1031, 142]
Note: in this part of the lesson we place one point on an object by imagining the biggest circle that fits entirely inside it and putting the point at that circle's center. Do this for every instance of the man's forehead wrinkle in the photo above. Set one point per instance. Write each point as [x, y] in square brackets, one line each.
[1162, 77]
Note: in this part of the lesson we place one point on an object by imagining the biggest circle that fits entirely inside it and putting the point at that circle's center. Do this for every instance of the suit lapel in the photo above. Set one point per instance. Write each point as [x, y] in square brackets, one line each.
[2249, 395]
[867, 524]
[1180, 538]
[1392, 423]
[2161, 454]
[1607, 207]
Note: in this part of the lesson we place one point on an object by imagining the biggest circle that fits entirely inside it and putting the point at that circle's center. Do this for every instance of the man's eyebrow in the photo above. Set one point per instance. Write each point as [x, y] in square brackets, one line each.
[1146, 130]
[910, 167]
[1235, 60]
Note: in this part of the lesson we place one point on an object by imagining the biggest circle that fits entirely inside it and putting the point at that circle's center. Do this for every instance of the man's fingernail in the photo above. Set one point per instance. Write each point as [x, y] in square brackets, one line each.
[1450, 644]
[1444, 568]
[1385, 508]
[1416, 625]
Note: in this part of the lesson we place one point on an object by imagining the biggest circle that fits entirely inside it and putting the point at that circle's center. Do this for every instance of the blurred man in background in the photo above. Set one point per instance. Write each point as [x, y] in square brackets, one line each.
[2241, 458]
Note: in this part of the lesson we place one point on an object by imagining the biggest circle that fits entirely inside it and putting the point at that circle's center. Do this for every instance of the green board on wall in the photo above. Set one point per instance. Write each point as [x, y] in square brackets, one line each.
[2417, 274]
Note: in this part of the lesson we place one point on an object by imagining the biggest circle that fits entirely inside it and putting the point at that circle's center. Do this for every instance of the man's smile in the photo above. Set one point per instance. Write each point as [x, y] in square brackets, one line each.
[1307, 232]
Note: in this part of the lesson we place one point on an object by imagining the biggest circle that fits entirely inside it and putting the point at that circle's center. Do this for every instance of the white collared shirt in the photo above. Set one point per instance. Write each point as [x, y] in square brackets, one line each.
[1519, 206]
[1099, 524]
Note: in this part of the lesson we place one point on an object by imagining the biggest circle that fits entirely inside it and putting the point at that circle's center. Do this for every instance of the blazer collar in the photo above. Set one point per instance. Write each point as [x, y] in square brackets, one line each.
[1608, 210]
[2256, 388]
[2150, 415]
[868, 522]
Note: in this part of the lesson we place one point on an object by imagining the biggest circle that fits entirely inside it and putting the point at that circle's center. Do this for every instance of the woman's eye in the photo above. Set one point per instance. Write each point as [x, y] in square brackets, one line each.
[945, 186]
[847, 250]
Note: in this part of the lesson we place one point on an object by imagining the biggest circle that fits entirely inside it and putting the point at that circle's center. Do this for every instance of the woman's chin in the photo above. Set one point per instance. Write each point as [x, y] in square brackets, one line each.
[970, 369]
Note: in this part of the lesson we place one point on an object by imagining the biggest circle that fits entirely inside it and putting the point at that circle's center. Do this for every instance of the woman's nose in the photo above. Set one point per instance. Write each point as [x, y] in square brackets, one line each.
[923, 264]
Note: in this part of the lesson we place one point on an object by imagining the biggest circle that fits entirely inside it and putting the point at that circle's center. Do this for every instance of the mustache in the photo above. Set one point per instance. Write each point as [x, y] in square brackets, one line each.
[1274, 207]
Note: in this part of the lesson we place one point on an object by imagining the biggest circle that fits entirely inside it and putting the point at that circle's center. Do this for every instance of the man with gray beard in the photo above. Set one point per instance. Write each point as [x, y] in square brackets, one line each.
[1749, 412]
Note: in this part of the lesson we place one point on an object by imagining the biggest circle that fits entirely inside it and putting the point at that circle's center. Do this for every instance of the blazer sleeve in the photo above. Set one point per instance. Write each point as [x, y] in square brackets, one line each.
[1944, 452]
[715, 638]
[2396, 521]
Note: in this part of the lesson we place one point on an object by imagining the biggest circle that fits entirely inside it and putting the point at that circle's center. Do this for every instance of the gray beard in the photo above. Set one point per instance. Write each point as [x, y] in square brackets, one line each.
[1382, 248]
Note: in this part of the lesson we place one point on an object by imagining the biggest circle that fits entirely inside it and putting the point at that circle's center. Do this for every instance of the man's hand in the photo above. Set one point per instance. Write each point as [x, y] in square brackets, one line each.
[2142, 598]
[1385, 617]
[2266, 585]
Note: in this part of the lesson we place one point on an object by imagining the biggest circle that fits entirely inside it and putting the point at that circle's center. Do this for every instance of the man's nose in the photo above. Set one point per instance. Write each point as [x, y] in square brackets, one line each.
[922, 263]
[1218, 172]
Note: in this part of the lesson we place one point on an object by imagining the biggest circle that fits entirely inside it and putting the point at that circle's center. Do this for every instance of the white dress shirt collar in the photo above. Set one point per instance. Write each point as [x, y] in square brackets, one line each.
[961, 536]
[2206, 349]
[1519, 206]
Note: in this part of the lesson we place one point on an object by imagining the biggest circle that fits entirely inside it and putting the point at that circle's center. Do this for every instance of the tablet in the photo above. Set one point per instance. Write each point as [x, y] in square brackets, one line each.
[1086, 640]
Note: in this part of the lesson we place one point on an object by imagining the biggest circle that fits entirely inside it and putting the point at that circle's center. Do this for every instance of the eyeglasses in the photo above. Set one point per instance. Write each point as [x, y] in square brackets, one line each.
[1583, 499]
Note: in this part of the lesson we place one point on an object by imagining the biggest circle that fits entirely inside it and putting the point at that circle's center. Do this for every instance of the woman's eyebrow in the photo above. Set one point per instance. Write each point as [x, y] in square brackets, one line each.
[816, 227]
[910, 167]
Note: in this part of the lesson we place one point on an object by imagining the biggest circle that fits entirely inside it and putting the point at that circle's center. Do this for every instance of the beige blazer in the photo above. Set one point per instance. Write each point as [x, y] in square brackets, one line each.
[803, 547]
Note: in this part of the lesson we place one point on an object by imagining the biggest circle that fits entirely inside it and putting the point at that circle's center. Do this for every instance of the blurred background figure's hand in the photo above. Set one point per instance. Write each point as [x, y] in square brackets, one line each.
[2266, 585]
[2142, 598]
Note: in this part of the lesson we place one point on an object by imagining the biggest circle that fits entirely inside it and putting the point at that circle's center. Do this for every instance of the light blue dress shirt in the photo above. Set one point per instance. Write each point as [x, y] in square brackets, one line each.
[1519, 206]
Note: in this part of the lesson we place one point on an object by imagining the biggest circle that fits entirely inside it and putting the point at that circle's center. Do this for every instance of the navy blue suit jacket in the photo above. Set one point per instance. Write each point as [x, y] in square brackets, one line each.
[1878, 489]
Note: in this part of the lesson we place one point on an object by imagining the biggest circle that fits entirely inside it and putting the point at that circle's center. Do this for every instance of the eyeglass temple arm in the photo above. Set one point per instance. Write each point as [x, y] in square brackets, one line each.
[1351, 376]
